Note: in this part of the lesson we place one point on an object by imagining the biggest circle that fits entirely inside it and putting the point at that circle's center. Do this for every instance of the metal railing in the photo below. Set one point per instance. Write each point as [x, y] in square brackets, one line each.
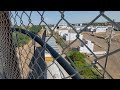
[23, 55]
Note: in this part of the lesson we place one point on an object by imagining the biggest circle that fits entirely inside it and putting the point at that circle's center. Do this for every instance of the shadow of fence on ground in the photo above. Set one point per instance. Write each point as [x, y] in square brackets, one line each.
[37, 65]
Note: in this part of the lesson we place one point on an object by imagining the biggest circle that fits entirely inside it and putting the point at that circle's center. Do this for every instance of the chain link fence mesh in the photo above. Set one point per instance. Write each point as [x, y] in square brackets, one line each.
[22, 57]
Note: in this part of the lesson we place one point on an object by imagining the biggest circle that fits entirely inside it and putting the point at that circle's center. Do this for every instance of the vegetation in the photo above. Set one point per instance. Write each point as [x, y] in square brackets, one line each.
[21, 39]
[79, 61]
[76, 56]
[60, 40]
[35, 29]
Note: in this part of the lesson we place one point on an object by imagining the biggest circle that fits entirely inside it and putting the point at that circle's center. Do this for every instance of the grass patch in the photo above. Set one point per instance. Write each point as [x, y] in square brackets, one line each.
[21, 39]
[79, 60]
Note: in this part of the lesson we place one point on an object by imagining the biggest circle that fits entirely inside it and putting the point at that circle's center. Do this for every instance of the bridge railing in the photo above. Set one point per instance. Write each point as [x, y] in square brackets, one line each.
[29, 47]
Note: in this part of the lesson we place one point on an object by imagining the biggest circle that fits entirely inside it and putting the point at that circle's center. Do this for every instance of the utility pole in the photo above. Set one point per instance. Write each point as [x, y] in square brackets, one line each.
[69, 38]
[108, 41]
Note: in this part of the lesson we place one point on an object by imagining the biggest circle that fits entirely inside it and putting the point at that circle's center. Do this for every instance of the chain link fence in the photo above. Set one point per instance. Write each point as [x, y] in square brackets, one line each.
[37, 51]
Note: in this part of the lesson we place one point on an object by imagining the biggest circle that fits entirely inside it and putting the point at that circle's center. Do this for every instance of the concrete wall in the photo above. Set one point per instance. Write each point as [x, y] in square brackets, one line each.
[100, 53]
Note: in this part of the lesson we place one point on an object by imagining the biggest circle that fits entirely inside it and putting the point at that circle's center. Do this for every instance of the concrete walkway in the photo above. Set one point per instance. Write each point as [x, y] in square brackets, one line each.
[25, 55]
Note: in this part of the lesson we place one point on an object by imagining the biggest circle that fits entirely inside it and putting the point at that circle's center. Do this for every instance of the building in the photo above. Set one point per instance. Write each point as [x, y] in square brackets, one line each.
[71, 36]
[95, 49]
[63, 31]
[84, 49]
[61, 26]
[101, 29]
[78, 27]
[98, 29]
[77, 24]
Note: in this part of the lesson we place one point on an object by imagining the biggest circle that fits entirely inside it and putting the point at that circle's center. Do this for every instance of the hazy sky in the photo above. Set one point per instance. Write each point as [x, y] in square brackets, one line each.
[52, 17]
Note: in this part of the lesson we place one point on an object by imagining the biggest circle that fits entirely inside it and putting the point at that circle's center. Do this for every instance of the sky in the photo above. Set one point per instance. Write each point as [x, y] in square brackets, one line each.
[52, 17]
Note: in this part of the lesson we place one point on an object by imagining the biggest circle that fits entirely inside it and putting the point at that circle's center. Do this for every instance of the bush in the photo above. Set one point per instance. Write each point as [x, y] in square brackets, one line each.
[88, 73]
[35, 29]
[60, 41]
[76, 56]
[22, 39]
[79, 61]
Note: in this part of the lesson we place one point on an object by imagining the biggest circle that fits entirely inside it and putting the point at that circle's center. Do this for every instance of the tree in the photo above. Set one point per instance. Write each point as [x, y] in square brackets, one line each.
[35, 29]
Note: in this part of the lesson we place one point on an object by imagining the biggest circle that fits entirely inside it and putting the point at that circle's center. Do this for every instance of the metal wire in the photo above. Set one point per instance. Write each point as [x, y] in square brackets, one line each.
[20, 58]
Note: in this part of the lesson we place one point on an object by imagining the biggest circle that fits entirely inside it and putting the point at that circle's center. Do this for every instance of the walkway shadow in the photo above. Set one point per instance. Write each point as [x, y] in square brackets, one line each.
[36, 64]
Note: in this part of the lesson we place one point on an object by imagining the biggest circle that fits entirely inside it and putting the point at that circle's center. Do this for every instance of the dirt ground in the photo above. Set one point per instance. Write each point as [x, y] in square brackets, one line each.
[113, 64]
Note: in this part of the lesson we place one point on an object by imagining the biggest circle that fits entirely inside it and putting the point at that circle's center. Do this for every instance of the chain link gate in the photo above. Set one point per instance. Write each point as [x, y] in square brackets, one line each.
[22, 50]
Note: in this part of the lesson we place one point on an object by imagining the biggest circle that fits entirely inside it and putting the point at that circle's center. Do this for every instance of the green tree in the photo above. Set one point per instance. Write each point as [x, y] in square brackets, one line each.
[35, 29]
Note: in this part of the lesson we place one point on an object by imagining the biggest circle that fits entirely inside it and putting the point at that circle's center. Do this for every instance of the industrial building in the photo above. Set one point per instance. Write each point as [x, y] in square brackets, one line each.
[91, 46]
[84, 49]
[71, 36]
[99, 29]
[63, 31]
